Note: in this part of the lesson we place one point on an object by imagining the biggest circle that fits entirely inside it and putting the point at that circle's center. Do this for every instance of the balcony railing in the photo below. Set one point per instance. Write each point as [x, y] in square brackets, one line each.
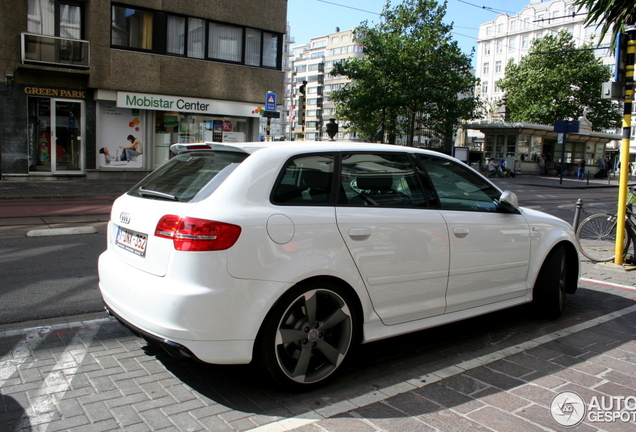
[54, 50]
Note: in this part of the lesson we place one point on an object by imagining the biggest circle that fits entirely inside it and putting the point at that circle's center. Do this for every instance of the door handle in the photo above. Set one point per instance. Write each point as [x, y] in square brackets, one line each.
[359, 232]
[461, 231]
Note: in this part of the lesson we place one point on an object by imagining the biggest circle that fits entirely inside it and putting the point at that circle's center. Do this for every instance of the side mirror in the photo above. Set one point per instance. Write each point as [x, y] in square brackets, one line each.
[509, 201]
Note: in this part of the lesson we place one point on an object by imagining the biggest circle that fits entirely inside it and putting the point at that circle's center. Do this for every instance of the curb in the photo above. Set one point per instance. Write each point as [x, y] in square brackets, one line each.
[61, 231]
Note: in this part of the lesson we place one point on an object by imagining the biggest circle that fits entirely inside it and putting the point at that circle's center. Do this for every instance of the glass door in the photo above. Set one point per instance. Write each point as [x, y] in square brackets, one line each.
[55, 136]
[67, 153]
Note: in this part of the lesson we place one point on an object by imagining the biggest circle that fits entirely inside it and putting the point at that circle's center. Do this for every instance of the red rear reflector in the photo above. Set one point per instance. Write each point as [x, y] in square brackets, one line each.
[193, 234]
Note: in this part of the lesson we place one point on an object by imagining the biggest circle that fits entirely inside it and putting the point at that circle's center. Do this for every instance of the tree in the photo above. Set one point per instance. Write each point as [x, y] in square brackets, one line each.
[557, 81]
[412, 72]
[612, 14]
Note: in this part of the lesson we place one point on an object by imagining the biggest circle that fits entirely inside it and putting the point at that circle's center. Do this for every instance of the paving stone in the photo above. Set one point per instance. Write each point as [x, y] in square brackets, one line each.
[500, 420]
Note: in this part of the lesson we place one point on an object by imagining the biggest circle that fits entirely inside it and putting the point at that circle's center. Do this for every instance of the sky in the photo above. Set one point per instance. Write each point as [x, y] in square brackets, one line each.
[315, 18]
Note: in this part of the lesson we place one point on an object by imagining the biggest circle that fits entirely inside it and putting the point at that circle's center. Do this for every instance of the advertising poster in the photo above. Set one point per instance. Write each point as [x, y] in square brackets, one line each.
[120, 138]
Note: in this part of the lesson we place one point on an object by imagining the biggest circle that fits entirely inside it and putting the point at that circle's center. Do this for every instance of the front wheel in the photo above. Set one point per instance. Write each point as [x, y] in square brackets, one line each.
[596, 236]
[308, 335]
[550, 286]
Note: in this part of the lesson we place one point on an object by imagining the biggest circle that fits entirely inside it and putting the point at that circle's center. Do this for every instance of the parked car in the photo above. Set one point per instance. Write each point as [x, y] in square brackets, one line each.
[290, 254]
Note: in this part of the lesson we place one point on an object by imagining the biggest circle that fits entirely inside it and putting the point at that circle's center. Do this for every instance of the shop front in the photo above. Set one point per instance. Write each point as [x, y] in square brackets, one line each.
[522, 144]
[56, 127]
[135, 130]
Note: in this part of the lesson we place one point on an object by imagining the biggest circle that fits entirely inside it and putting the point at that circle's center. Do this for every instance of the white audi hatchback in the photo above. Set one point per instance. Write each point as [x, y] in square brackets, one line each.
[290, 254]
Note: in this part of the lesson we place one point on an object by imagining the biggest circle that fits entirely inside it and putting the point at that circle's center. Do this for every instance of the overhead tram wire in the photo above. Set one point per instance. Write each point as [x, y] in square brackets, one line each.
[348, 7]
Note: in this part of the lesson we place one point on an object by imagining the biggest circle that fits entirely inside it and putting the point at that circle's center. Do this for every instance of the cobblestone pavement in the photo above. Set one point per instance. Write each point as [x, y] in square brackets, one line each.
[506, 371]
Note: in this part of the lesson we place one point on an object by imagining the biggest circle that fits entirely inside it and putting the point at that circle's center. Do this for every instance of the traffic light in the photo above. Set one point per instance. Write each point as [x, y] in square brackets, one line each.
[303, 88]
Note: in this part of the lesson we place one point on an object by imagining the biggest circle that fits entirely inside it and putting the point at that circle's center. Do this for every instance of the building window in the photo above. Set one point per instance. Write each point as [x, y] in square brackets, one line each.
[225, 42]
[55, 18]
[486, 68]
[487, 48]
[196, 38]
[500, 28]
[334, 40]
[513, 25]
[499, 47]
[135, 29]
[512, 44]
[176, 35]
[132, 28]
[488, 31]
[253, 47]
[525, 42]
[498, 66]
[526, 22]
[484, 87]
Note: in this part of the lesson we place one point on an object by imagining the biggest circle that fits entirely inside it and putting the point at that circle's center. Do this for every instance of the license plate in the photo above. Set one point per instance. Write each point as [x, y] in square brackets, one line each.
[132, 241]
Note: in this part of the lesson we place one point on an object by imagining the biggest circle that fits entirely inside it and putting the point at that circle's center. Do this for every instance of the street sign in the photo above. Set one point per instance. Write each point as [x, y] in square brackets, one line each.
[270, 101]
[566, 126]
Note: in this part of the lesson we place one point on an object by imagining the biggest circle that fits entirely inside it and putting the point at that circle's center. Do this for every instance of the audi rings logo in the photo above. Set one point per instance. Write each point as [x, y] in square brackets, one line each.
[124, 218]
[567, 409]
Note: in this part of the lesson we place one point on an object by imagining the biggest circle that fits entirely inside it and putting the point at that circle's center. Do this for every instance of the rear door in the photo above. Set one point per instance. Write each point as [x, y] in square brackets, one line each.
[398, 242]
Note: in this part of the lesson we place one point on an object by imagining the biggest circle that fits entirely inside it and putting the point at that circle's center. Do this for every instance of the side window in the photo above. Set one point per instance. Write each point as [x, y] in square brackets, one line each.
[305, 180]
[380, 180]
[458, 188]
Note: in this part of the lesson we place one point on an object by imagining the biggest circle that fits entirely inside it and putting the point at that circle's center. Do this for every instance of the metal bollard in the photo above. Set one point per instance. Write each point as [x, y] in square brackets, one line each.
[577, 213]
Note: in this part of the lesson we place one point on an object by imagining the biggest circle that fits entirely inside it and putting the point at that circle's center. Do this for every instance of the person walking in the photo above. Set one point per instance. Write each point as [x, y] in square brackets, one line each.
[581, 173]
[541, 160]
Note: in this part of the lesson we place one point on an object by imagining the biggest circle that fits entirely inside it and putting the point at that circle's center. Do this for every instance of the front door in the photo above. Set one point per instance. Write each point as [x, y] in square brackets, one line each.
[67, 154]
[56, 128]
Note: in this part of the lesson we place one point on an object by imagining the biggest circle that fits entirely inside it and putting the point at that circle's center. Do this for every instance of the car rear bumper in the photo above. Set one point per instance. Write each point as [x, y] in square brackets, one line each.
[215, 323]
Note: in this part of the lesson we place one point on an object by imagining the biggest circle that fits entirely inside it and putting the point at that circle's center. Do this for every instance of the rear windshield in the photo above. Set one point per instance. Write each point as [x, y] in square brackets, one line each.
[189, 177]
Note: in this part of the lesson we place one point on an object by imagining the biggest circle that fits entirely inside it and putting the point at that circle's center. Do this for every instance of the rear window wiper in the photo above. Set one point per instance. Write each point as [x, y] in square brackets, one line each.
[148, 192]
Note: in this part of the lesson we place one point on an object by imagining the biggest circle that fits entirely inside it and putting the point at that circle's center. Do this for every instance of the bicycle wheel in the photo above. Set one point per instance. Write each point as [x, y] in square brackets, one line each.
[597, 237]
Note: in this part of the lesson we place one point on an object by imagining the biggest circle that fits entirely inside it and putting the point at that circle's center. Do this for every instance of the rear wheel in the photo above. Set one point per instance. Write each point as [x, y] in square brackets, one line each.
[549, 289]
[308, 335]
[596, 236]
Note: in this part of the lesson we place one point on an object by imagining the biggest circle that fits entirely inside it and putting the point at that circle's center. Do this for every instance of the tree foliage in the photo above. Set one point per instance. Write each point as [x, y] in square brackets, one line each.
[412, 73]
[609, 14]
[557, 81]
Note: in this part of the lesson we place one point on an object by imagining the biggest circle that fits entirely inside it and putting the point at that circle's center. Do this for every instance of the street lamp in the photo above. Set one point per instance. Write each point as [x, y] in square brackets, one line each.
[332, 128]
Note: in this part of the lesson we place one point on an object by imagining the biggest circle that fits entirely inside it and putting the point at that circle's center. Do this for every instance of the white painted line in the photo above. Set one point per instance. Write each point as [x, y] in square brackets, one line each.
[61, 231]
[380, 395]
[609, 284]
[43, 403]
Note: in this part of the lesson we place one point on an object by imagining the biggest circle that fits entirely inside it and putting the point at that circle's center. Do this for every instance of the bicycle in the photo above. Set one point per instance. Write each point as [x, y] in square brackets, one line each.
[596, 235]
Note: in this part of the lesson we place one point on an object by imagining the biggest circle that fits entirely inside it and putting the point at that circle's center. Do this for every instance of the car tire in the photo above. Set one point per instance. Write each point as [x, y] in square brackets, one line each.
[308, 335]
[550, 286]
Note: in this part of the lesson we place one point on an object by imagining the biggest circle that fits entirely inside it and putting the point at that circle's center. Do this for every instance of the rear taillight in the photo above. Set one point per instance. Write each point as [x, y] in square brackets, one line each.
[192, 234]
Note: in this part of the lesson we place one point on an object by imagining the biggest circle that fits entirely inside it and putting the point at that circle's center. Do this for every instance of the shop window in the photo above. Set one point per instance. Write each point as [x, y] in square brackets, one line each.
[132, 28]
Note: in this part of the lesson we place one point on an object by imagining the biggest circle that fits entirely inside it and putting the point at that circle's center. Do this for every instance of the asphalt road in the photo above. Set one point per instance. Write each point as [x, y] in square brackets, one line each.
[47, 277]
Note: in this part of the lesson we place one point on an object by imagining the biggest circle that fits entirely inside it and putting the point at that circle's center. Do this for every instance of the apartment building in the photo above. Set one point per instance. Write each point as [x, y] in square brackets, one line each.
[83, 79]
[313, 62]
[510, 37]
